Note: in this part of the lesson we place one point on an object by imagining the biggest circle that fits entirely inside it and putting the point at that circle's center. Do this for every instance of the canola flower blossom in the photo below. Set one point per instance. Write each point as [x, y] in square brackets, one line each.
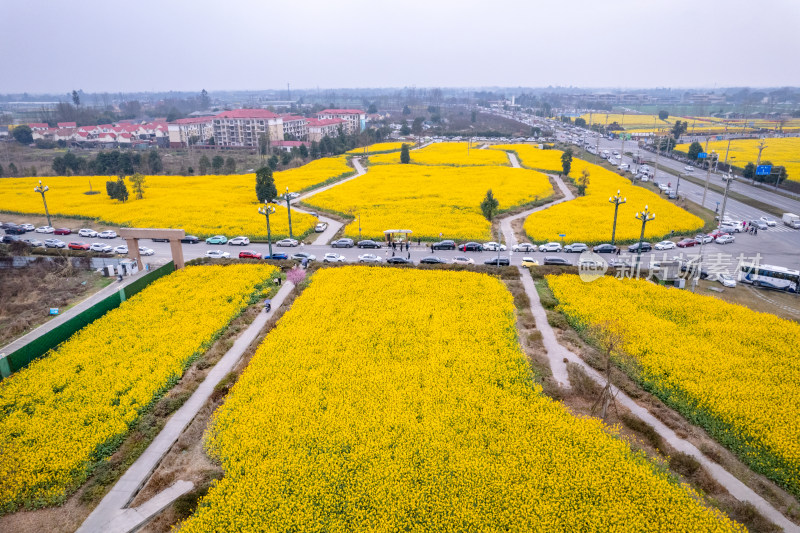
[729, 369]
[429, 200]
[75, 405]
[201, 205]
[379, 148]
[458, 154]
[589, 219]
[402, 409]
[785, 152]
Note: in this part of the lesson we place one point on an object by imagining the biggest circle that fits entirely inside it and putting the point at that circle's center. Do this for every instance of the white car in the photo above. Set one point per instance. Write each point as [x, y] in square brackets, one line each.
[726, 280]
[146, 251]
[665, 245]
[121, 249]
[27, 227]
[333, 257]
[217, 254]
[702, 238]
[492, 246]
[768, 221]
[45, 229]
[36, 243]
[322, 226]
[239, 241]
[107, 234]
[100, 247]
[524, 247]
[54, 243]
[85, 232]
[369, 258]
[688, 168]
[550, 247]
[286, 242]
[725, 239]
[463, 260]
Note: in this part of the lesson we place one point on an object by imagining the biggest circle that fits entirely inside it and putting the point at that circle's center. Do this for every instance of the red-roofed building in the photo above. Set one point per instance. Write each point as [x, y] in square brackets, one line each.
[287, 146]
[181, 131]
[296, 126]
[107, 137]
[319, 128]
[243, 127]
[64, 134]
[355, 119]
[38, 126]
[125, 138]
[67, 125]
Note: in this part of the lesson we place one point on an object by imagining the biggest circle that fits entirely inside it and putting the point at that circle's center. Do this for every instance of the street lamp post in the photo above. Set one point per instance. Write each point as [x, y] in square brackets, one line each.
[41, 189]
[709, 155]
[645, 216]
[268, 210]
[289, 209]
[616, 200]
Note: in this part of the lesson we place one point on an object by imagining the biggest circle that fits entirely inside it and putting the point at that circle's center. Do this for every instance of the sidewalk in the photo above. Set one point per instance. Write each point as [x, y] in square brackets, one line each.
[112, 514]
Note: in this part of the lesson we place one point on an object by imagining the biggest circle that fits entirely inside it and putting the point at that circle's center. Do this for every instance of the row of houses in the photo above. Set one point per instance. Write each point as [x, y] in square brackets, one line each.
[124, 133]
[244, 127]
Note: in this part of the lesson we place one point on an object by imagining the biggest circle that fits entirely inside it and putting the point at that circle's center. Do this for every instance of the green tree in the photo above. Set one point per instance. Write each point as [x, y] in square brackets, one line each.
[566, 161]
[154, 162]
[694, 149]
[663, 115]
[314, 149]
[489, 205]
[265, 185]
[473, 116]
[303, 151]
[205, 101]
[23, 134]
[203, 165]
[1, 171]
[137, 185]
[217, 163]
[416, 126]
[273, 162]
[372, 109]
[117, 190]
[406, 110]
[230, 166]
[76, 98]
[59, 166]
[583, 182]
[12, 169]
[679, 128]
[404, 128]
[580, 122]
[749, 171]
[405, 157]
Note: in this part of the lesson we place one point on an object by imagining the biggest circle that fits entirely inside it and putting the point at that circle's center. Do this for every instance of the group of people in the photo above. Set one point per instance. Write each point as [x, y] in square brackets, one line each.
[394, 245]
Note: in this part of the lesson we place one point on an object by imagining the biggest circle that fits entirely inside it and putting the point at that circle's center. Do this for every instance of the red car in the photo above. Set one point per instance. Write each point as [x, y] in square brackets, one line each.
[717, 232]
[62, 231]
[78, 246]
[685, 243]
[249, 254]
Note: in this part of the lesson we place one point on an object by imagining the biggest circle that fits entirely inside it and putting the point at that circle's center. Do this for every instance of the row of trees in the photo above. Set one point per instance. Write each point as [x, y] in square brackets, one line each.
[110, 163]
[118, 190]
[217, 164]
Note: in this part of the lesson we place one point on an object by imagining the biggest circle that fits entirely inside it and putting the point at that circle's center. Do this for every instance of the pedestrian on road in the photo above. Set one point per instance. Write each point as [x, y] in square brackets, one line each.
[409, 256]
[419, 241]
[408, 245]
[618, 250]
[392, 253]
[755, 231]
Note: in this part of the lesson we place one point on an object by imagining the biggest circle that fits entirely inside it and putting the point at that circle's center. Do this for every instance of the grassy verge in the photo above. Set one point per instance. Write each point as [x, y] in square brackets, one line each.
[752, 202]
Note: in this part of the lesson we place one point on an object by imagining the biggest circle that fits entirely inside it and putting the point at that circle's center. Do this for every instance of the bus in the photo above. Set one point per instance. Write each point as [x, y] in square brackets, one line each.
[770, 277]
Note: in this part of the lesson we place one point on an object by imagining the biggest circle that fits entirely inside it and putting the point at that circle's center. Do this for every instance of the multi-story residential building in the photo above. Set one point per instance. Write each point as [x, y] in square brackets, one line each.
[296, 126]
[317, 129]
[243, 127]
[355, 120]
[181, 131]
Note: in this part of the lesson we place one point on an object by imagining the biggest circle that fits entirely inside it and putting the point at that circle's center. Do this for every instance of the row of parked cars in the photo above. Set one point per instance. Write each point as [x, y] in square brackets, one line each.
[11, 228]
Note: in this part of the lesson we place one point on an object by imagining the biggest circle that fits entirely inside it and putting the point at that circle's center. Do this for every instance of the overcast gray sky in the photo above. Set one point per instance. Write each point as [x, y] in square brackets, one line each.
[102, 45]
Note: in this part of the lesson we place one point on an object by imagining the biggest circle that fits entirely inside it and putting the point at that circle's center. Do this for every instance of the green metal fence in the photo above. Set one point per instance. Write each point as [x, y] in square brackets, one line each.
[22, 357]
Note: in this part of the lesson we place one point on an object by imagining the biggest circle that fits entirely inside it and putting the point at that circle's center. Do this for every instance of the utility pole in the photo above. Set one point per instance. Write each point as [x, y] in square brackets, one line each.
[645, 216]
[725, 198]
[41, 189]
[655, 170]
[708, 174]
[617, 201]
[289, 209]
[268, 210]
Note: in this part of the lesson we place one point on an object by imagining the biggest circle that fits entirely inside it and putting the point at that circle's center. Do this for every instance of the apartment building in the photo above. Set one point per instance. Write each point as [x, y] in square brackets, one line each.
[184, 129]
[319, 128]
[296, 126]
[355, 120]
[243, 127]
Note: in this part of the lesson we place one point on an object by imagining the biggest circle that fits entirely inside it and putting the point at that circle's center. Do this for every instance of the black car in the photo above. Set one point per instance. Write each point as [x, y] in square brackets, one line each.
[342, 243]
[7, 225]
[471, 247]
[605, 249]
[498, 261]
[634, 248]
[555, 260]
[9, 239]
[190, 239]
[162, 240]
[368, 244]
[399, 261]
[443, 245]
[432, 260]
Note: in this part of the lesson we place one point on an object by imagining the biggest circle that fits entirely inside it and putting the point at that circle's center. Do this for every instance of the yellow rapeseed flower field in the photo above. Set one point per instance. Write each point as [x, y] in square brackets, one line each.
[430, 199]
[785, 151]
[590, 218]
[401, 408]
[75, 405]
[379, 148]
[201, 205]
[733, 371]
[450, 153]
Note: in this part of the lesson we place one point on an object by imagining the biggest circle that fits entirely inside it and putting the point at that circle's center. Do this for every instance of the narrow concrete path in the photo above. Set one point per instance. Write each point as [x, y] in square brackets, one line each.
[505, 222]
[556, 354]
[112, 514]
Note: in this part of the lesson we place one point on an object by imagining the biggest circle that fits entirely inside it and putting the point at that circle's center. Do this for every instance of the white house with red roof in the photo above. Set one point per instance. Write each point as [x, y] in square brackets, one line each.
[63, 125]
[107, 137]
[38, 126]
[355, 119]
[287, 146]
[244, 127]
[64, 134]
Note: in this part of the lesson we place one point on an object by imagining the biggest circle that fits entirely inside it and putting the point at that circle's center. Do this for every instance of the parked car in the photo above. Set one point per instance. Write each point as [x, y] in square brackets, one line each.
[320, 227]
[724, 239]
[727, 280]
[342, 243]
[443, 245]
[463, 260]
[54, 243]
[217, 239]
[122, 249]
[369, 258]
[576, 247]
[239, 241]
[471, 247]
[760, 224]
[605, 249]
[277, 256]
[524, 247]
[33, 242]
[368, 244]
[687, 243]
[492, 246]
[768, 221]
[287, 242]
[15, 230]
[45, 229]
[107, 234]
[397, 260]
[702, 238]
[249, 254]
[9, 239]
[688, 168]
[550, 247]
[646, 247]
[217, 254]
[717, 233]
[190, 239]
[27, 227]
[529, 261]
[665, 245]
[100, 247]
[160, 240]
[86, 232]
[146, 251]
[555, 260]
[498, 261]
[729, 228]
[432, 260]
[300, 256]
[333, 257]
[78, 246]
